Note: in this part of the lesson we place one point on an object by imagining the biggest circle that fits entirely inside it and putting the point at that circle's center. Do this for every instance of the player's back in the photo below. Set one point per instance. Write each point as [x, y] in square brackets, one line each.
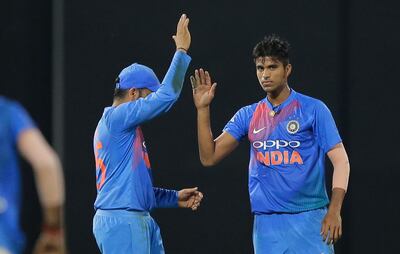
[122, 167]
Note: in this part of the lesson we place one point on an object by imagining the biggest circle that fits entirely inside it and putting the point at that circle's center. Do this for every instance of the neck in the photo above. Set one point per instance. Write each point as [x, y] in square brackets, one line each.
[118, 102]
[279, 96]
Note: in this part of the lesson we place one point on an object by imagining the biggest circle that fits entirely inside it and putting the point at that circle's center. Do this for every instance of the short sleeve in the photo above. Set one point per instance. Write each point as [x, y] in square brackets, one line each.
[325, 129]
[239, 124]
[20, 120]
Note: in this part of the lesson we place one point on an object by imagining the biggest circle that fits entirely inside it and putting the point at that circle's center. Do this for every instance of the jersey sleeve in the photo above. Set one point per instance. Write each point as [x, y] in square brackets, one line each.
[166, 198]
[130, 114]
[20, 120]
[238, 125]
[325, 130]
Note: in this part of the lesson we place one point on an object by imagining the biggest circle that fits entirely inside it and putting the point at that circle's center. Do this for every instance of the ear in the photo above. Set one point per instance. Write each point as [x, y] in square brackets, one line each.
[288, 70]
[133, 94]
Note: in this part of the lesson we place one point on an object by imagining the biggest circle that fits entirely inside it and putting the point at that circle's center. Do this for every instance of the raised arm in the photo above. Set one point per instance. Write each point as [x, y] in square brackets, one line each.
[133, 113]
[211, 151]
[50, 184]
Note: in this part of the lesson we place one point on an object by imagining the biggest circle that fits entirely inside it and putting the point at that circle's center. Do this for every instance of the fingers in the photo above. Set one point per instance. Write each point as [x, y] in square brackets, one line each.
[186, 25]
[197, 76]
[331, 234]
[202, 77]
[324, 231]
[193, 82]
[191, 190]
[337, 234]
[213, 88]
[208, 78]
[180, 23]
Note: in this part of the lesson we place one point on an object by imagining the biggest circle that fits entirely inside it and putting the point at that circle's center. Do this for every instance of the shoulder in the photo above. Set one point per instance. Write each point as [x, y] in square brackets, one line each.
[7, 103]
[249, 109]
[12, 107]
[310, 102]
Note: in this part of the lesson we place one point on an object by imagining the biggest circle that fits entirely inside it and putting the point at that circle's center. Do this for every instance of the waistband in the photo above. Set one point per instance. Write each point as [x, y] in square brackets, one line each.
[122, 213]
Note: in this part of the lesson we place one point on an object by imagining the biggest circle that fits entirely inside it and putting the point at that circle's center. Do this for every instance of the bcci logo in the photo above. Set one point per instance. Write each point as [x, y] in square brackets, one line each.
[293, 126]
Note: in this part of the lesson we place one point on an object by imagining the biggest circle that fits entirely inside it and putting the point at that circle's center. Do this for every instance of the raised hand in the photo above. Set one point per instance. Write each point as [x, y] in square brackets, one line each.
[190, 198]
[182, 37]
[203, 89]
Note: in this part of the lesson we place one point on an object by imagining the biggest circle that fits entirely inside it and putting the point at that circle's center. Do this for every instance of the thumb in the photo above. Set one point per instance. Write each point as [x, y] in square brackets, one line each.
[191, 190]
[174, 37]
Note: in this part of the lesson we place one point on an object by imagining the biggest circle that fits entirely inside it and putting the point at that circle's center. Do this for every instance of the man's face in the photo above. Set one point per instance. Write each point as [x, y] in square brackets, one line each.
[272, 74]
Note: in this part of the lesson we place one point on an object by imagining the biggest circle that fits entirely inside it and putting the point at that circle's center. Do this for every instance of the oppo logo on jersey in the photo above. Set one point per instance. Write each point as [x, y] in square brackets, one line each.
[276, 157]
[276, 144]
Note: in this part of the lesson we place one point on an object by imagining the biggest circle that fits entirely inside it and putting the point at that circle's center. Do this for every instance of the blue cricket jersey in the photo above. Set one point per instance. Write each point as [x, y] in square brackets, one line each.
[123, 172]
[13, 121]
[288, 144]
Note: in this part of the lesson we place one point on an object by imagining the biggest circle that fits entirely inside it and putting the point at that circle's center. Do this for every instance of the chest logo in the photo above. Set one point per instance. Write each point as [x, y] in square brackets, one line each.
[293, 126]
[255, 131]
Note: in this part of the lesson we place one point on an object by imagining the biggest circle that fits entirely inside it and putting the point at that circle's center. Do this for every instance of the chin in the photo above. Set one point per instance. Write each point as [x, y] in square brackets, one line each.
[269, 89]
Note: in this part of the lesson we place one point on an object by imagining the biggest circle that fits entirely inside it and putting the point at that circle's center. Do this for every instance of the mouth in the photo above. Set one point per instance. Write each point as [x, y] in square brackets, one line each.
[266, 83]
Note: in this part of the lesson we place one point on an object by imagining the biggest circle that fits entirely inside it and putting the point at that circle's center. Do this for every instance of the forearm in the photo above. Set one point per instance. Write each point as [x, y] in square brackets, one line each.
[173, 80]
[165, 198]
[50, 185]
[337, 198]
[205, 137]
[341, 173]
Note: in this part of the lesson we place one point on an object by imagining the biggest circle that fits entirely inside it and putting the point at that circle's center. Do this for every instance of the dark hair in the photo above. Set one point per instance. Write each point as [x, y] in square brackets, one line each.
[120, 93]
[273, 46]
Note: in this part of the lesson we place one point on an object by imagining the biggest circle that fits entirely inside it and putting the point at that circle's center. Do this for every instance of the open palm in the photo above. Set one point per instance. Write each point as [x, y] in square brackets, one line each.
[203, 88]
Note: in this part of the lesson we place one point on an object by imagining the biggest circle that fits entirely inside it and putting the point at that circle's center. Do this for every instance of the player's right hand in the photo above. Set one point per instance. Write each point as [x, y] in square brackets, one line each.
[182, 37]
[203, 89]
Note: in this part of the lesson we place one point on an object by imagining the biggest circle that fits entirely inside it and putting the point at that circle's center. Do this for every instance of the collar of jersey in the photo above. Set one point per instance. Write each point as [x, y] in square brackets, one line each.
[283, 104]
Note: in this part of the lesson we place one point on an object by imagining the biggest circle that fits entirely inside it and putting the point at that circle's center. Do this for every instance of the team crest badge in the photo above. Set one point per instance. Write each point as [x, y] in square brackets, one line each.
[293, 126]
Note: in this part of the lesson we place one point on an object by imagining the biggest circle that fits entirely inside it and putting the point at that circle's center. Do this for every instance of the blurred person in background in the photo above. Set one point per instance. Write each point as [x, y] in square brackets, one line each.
[20, 135]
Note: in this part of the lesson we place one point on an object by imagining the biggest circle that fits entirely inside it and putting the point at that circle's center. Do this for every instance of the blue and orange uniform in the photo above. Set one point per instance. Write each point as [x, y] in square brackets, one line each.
[14, 120]
[288, 144]
[125, 193]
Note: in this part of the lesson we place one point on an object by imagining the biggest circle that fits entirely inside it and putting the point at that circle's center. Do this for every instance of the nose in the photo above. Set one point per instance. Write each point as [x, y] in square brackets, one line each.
[265, 75]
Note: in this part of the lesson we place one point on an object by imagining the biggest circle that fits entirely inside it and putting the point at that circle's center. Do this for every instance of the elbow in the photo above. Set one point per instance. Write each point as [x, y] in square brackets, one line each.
[207, 162]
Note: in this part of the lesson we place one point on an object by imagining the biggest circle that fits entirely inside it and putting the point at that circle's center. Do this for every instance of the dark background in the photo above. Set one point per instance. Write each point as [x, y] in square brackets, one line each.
[344, 53]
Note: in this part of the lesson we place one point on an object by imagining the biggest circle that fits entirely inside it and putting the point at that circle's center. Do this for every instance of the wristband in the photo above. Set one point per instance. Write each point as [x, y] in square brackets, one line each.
[182, 49]
[52, 230]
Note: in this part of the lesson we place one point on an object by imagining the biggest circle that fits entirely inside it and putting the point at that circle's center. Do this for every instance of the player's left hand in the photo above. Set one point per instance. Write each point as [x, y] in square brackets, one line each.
[190, 198]
[50, 243]
[331, 229]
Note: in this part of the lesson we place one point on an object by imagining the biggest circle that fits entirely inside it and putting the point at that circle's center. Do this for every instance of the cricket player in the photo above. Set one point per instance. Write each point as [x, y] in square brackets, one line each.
[125, 193]
[19, 135]
[290, 134]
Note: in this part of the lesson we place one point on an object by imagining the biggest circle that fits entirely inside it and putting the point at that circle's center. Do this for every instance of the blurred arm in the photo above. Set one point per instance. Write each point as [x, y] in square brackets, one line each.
[48, 174]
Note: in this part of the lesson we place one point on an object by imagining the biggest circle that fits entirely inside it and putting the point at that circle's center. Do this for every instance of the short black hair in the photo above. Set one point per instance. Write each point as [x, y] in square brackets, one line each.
[272, 46]
[120, 93]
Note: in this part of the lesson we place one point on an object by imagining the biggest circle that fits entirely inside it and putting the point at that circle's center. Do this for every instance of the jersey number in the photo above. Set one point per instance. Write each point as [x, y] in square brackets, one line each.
[100, 165]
